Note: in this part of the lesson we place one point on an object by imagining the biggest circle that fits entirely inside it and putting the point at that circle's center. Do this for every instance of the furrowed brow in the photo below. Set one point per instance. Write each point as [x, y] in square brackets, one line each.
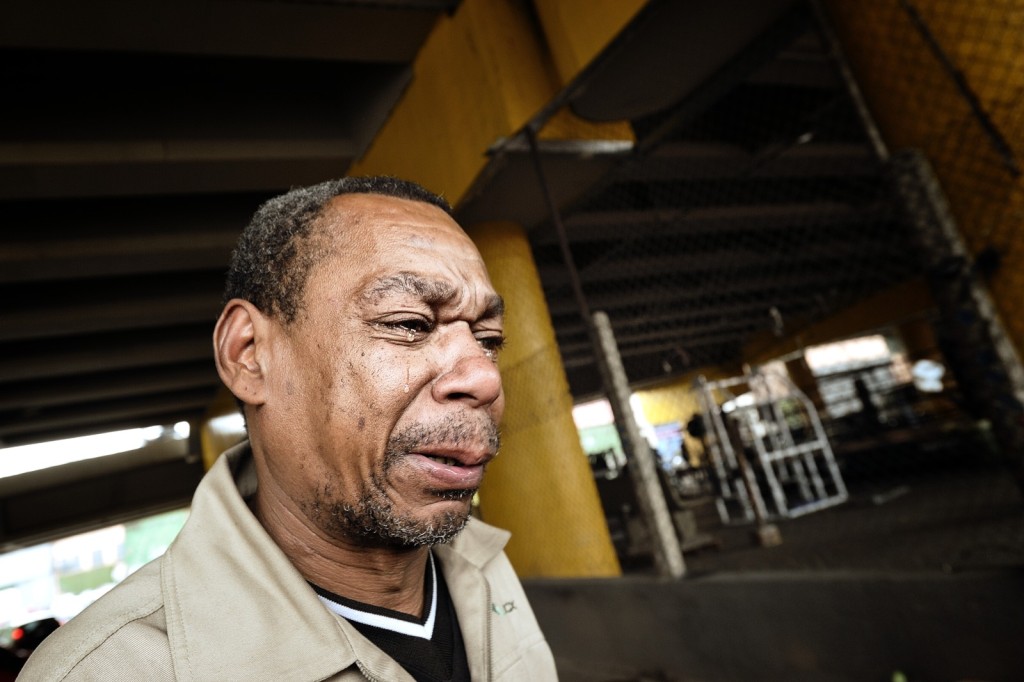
[431, 292]
[495, 307]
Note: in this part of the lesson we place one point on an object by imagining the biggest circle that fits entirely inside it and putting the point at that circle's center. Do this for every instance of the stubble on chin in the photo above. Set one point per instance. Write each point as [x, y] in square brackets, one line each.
[373, 521]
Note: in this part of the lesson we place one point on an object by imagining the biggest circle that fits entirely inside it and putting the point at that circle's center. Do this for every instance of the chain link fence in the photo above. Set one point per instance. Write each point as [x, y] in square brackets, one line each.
[759, 230]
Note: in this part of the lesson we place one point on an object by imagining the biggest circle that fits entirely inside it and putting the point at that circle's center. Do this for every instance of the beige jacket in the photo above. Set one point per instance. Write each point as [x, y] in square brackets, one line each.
[224, 603]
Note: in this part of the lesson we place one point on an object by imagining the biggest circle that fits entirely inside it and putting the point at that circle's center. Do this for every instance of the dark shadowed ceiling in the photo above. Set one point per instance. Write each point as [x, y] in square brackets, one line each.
[136, 142]
[751, 203]
[136, 139]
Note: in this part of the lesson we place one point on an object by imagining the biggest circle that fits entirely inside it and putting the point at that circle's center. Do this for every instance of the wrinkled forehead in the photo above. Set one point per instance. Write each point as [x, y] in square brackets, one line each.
[379, 221]
[380, 215]
[381, 238]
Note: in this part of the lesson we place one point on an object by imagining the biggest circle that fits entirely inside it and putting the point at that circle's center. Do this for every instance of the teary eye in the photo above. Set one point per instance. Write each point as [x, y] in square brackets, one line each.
[411, 328]
[415, 325]
[491, 343]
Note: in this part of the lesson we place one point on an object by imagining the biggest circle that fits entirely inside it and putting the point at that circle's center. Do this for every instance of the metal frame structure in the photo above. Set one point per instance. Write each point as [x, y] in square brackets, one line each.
[774, 460]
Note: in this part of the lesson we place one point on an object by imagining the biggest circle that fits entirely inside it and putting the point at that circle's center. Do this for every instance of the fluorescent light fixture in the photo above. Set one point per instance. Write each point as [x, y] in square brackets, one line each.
[182, 429]
[22, 459]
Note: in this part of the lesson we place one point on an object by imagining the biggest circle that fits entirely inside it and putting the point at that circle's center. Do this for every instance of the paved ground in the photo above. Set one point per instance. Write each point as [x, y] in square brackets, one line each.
[949, 521]
[917, 575]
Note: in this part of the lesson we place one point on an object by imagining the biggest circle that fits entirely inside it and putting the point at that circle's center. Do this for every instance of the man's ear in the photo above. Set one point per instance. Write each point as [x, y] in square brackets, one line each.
[238, 341]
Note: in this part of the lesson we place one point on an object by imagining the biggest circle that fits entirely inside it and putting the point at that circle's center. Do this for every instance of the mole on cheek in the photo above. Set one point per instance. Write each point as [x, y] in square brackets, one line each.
[362, 423]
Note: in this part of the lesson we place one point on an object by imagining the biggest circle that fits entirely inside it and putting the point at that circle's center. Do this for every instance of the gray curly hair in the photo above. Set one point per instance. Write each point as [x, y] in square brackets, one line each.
[278, 248]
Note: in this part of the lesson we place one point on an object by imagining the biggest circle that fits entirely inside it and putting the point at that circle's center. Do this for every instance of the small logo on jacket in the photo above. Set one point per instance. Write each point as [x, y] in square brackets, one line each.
[504, 609]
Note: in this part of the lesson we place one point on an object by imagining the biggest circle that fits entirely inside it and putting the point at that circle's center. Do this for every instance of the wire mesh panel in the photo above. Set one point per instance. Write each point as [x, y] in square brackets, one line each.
[948, 78]
[758, 222]
[733, 224]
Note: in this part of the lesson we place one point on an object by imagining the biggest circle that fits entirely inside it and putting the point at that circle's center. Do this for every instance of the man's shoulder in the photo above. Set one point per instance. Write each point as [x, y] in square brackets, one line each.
[126, 626]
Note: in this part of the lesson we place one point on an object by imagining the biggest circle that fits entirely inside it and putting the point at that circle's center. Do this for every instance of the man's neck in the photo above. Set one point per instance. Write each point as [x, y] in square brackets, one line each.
[382, 576]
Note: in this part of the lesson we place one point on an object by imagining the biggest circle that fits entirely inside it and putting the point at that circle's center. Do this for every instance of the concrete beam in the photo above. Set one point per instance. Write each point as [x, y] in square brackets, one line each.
[100, 425]
[21, 361]
[80, 505]
[612, 225]
[57, 181]
[136, 310]
[671, 342]
[728, 261]
[714, 160]
[727, 292]
[390, 32]
[681, 316]
[147, 251]
[89, 388]
[62, 417]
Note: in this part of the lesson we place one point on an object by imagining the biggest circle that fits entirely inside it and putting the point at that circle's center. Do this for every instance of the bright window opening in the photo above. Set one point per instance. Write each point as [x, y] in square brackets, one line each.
[58, 579]
[22, 459]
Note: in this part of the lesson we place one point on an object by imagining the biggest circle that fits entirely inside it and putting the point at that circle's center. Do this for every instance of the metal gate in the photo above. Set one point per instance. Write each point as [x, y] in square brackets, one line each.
[768, 452]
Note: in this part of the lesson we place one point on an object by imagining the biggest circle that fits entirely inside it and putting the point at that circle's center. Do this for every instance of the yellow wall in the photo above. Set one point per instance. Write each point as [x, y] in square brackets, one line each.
[678, 400]
[213, 442]
[905, 306]
[674, 402]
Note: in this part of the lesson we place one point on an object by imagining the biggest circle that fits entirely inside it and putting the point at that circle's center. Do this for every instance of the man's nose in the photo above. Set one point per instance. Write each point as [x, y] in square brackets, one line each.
[470, 375]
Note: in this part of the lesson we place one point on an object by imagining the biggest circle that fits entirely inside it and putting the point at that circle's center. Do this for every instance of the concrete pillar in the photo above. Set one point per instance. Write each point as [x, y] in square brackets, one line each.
[577, 30]
[483, 72]
[214, 440]
[540, 487]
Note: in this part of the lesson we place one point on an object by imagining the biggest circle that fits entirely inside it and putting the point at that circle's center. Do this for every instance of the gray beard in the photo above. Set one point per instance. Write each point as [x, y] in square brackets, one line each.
[373, 520]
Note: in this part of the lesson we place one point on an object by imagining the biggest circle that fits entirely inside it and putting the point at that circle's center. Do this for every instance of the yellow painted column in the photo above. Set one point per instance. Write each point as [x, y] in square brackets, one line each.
[213, 437]
[577, 30]
[540, 487]
[480, 76]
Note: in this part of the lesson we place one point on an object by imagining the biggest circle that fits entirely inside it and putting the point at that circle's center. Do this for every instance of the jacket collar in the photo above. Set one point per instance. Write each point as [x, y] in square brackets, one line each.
[235, 602]
[477, 544]
[463, 563]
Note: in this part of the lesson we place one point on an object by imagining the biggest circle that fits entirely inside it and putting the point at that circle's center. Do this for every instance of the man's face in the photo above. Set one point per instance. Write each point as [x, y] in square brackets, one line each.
[384, 395]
